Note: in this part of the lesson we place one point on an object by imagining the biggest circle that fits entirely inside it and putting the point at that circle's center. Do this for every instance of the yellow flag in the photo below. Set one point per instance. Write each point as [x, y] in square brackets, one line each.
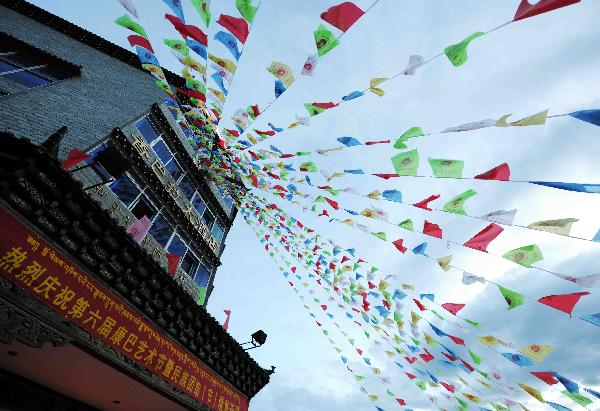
[186, 74]
[376, 371]
[154, 70]
[414, 317]
[471, 397]
[348, 221]
[367, 212]
[194, 64]
[390, 354]
[373, 86]
[533, 392]
[374, 195]
[534, 120]
[408, 287]
[227, 64]
[485, 384]
[383, 285]
[444, 262]
[488, 340]
[283, 73]
[429, 340]
[252, 139]
[373, 397]
[218, 94]
[561, 226]
[537, 352]
[338, 350]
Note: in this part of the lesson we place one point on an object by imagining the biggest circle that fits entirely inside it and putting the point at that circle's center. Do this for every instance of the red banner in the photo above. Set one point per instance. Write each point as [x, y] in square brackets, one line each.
[29, 262]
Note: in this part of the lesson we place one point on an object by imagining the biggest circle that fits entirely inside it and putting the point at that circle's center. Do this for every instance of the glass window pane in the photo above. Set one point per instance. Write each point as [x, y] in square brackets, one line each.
[143, 208]
[202, 276]
[198, 203]
[27, 79]
[217, 232]
[186, 187]
[22, 60]
[51, 73]
[124, 188]
[174, 170]
[144, 125]
[162, 152]
[161, 230]
[189, 263]
[177, 246]
[208, 218]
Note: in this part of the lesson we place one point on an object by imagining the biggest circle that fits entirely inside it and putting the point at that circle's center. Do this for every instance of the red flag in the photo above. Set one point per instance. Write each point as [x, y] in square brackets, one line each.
[371, 285]
[236, 26]
[399, 246]
[226, 323]
[526, 9]
[136, 40]
[372, 143]
[254, 180]
[424, 203]
[342, 16]
[386, 176]
[177, 23]
[287, 156]
[324, 213]
[325, 105]
[409, 375]
[427, 356]
[547, 377]
[359, 351]
[173, 263]
[452, 308]
[324, 307]
[269, 133]
[410, 360]
[482, 239]
[255, 110]
[563, 302]
[450, 357]
[421, 306]
[401, 401]
[447, 386]
[197, 34]
[457, 340]
[344, 259]
[469, 366]
[501, 173]
[234, 133]
[332, 203]
[432, 229]
[74, 157]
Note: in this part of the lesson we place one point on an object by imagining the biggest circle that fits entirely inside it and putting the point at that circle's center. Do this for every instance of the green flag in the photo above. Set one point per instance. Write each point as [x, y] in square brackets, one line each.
[308, 166]
[201, 295]
[359, 377]
[178, 45]
[475, 357]
[325, 40]
[473, 323]
[437, 315]
[456, 204]
[525, 256]
[410, 133]
[302, 153]
[464, 404]
[406, 163]
[512, 298]
[406, 224]
[381, 235]
[312, 109]
[499, 407]
[421, 385]
[457, 53]
[125, 21]
[561, 226]
[201, 7]
[246, 9]
[446, 168]
[578, 398]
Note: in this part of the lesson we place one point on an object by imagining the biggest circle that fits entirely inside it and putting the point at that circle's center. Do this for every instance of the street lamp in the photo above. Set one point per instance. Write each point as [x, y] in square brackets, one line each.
[258, 339]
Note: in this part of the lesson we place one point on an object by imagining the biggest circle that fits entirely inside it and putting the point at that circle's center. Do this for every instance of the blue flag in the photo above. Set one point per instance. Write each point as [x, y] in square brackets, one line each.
[275, 149]
[357, 171]
[571, 386]
[279, 88]
[219, 80]
[430, 297]
[582, 188]
[436, 330]
[229, 42]
[597, 237]
[593, 392]
[398, 295]
[519, 359]
[275, 129]
[367, 360]
[413, 348]
[350, 251]
[349, 141]
[399, 365]
[350, 211]
[558, 406]
[420, 249]
[146, 56]
[435, 380]
[175, 5]
[344, 359]
[198, 47]
[589, 116]
[353, 95]
[393, 195]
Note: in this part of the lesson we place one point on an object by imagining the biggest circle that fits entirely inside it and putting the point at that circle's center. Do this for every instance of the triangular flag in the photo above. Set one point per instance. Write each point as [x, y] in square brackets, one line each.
[74, 157]
[563, 302]
[457, 53]
[561, 226]
[512, 298]
[526, 9]
[325, 40]
[342, 16]
[537, 352]
[525, 256]
[226, 323]
[456, 204]
[482, 239]
[500, 173]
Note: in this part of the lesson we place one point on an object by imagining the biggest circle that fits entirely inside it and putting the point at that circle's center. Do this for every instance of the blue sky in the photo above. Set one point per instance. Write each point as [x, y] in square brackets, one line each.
[546, 62]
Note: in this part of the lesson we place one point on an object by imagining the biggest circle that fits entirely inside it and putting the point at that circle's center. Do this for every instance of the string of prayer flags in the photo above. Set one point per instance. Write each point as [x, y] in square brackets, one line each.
[482, 239]
[374, 83]
[560, 226]
[512, 298]
[563, 302]
[525, 256]
[526, 9]
[325, 40]
[457, 53]
[236, 26]
[202, 7]
[456, 204]
[128, 23]
[589, 116]
[342, 16]
[246, 9]
[446, 168]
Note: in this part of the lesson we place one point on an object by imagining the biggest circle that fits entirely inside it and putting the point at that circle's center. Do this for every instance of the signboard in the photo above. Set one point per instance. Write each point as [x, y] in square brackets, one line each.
[31, 263]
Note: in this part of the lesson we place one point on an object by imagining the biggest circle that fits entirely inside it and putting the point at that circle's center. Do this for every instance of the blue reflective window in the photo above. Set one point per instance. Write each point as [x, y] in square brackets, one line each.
[124, 188]
[202, 276]
[174, 170]
[26, 79]
[208, 218]
[217, 232]
[162, 152]
[189, 263]
[161, 230]
[198, 203]
[177, 246]
[4, 67]
[147, 129]
[187, 187]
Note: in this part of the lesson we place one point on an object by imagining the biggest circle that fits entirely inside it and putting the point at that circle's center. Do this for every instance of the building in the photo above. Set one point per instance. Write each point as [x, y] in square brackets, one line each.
[109, 225]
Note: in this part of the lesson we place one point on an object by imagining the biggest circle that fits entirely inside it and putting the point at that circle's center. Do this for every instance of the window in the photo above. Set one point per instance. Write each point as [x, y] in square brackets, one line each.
[146, 128]
[217, 232]
[29, 71]
[161, 230]
[125, 189]
[187, 187]
[208, 218]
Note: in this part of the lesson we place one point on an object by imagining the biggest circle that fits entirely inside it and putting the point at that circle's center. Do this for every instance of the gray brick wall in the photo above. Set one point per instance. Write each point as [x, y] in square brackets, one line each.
[108, 94]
